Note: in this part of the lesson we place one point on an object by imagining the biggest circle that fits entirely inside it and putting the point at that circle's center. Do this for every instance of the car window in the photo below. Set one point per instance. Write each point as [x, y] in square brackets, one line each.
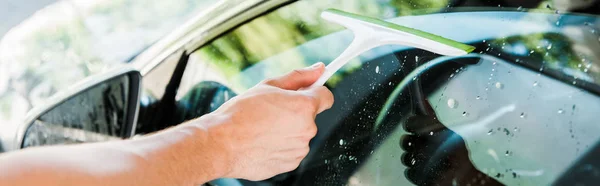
[495, 117]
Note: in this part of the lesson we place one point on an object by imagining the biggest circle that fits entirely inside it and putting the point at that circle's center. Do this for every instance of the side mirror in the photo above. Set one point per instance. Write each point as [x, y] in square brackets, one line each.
[103, 107]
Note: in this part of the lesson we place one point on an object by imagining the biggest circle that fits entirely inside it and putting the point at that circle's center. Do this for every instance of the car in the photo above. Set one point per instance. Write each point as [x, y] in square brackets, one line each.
[519, 110]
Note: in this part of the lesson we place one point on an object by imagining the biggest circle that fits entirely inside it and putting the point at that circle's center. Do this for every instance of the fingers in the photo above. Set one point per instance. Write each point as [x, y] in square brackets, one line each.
[298, 78]
[323, 98]
[293, 158]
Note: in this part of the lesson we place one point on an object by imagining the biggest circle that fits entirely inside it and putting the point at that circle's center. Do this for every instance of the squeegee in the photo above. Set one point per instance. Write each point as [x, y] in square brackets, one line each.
[372, 32]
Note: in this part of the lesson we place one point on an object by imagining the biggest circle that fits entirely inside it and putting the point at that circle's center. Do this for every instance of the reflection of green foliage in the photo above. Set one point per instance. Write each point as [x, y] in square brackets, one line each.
[554, 50]
[291, 26]
[415, 7]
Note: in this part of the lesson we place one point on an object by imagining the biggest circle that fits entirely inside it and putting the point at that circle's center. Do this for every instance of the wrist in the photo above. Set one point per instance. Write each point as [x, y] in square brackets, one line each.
[186, 154]
[216, 144]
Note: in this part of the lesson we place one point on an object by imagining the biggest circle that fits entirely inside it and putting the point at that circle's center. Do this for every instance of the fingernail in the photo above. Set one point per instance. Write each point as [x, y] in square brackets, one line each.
[316, 65]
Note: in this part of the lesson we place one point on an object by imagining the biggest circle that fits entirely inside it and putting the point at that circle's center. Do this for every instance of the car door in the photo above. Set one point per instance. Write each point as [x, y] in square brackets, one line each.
[494, 117]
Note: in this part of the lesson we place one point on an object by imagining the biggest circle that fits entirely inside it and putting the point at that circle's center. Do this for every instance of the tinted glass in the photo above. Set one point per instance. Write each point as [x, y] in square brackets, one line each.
[98, 111]
[495, 117]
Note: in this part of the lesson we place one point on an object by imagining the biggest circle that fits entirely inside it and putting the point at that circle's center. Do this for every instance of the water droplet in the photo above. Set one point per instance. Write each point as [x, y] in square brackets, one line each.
[560, 111]
[499, 85]
[431, 133]
[494, 63]
[508, 153]
[574, 82]
[516, 129]
[548, 6]
[522, 115]
[520, 8]
[478, 98]
[585, 70]
[341, 141]
[390, 83]
[556, 12]
[452, 103]
[377, 69]
[416, 58]
[414, 78]
[451, 75]
[493, 70]
[464, 114]
[506, 131]
[413, 161]
[535, 84]
[409, 144]
[490, 132]
[579, 65]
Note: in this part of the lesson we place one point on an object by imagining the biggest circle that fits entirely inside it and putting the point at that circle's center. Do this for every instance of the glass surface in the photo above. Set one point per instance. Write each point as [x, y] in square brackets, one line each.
[497, 117]
[98, 111]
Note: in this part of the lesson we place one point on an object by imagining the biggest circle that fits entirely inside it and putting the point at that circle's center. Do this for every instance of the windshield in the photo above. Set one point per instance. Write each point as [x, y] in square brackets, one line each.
[69, 40]
[519, 110]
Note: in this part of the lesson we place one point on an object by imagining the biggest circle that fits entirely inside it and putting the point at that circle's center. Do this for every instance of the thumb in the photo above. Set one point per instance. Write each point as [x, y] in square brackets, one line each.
[298, 78]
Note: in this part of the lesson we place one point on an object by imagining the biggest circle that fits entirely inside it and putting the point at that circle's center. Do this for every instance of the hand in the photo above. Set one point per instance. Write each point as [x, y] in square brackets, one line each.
[267, 129]
[435, 155]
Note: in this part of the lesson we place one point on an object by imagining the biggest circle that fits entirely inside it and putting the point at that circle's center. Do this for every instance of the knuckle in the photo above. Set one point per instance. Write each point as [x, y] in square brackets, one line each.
[312, 130]
[305, 152]
[327, 95]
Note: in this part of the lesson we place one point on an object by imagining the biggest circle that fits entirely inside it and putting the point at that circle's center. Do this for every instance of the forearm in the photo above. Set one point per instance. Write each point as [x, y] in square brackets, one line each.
[163, 158]
[90, 164]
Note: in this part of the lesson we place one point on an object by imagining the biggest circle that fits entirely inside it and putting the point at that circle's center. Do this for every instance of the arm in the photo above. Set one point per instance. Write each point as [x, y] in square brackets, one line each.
[259, 134]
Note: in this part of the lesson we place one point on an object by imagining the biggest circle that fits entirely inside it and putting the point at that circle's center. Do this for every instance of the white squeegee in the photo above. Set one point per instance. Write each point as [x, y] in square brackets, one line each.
[371, 32]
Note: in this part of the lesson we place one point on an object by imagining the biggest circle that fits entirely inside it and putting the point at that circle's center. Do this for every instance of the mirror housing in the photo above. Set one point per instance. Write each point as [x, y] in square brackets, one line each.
[100, 108]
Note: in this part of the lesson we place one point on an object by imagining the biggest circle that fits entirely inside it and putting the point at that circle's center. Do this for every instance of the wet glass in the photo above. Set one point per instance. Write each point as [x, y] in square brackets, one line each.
[96, 114]
[519, 110]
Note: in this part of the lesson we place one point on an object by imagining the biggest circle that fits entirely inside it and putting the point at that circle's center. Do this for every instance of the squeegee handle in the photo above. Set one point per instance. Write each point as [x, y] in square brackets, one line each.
[354, 49]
